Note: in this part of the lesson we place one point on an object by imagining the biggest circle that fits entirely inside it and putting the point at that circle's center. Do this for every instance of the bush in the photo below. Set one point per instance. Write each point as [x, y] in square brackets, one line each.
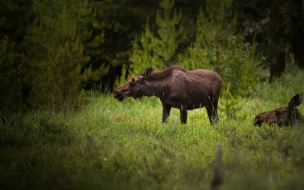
[281, 89]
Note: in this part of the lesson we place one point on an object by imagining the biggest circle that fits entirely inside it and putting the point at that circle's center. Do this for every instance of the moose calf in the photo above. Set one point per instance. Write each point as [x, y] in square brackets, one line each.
[285, 116]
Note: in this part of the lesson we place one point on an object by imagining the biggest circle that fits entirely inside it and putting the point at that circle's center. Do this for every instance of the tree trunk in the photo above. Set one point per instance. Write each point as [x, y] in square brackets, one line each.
[278, 38]
[303, 15]
[298, 39]
[299, 46]
[278, 68]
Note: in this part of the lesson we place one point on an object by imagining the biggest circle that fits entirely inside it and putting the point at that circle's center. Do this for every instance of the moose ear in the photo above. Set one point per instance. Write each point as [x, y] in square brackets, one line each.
[296, 100]
[147, 72]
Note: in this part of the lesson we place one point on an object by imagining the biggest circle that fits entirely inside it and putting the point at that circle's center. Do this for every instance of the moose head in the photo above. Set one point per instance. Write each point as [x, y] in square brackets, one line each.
[284, 116]
[133, 88]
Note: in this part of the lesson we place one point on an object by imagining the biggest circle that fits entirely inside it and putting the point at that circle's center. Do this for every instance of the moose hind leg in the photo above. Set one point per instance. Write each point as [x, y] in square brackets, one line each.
[212, 109]
[166, 113]
[212, 113]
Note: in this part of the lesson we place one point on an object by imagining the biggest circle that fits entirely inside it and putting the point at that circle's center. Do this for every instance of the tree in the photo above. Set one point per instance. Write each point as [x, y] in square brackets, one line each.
[159, 50]
[296, 12]
[219, 47]
[56, 55]
[277, 27]
[171, 32]
[119, 21]
[216, 26]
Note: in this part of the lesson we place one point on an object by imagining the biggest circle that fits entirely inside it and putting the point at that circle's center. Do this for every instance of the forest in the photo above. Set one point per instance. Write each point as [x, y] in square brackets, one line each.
[61, 126]
[52, 52]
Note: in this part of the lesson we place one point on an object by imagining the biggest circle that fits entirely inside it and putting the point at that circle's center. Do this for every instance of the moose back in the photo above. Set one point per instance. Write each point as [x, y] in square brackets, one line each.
[283, 116]
[177, 88]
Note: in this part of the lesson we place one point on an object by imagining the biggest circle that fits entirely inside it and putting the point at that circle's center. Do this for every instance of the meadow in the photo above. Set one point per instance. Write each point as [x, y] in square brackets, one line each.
[123, 145]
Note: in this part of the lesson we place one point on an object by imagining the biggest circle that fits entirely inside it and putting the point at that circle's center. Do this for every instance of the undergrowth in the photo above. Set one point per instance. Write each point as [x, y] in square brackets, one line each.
[124, 145]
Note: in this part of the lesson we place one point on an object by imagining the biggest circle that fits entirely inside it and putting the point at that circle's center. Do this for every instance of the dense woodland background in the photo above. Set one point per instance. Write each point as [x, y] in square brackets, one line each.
[53, 51]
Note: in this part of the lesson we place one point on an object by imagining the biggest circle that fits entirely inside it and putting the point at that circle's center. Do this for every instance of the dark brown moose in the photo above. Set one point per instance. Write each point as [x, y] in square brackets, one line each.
[285, 116]
[178, 88]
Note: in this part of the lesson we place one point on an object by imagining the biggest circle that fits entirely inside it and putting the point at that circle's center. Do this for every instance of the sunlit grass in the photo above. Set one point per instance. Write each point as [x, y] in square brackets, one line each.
[124, 145]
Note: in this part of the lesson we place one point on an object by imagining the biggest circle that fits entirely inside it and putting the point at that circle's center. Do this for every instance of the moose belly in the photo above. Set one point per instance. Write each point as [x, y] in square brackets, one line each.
[196, 106]
[190, 104]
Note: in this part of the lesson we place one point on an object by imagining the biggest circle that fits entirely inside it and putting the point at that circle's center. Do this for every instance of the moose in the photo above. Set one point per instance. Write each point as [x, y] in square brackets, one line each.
[177, 88]
[285, 116]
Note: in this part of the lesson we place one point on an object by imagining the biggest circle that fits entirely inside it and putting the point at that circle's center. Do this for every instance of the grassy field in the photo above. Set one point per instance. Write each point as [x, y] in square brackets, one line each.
[124, 145]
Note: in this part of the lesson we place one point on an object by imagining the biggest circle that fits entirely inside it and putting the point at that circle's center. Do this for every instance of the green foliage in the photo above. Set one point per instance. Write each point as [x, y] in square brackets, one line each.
[104, 32]
[38, 128]
[123, 145]
[219, 48]
[55, 67]
[159, 50]
[215, 35]
[284, 88]
[171, 32]
[143, 55]
[231, 104]
[120, 21]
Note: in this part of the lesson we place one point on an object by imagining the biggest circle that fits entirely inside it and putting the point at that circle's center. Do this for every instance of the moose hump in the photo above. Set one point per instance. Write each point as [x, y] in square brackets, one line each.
[178, 88]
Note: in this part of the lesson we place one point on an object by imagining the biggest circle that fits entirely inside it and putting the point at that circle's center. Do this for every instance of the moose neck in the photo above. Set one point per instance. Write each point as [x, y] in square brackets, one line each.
[154, 88]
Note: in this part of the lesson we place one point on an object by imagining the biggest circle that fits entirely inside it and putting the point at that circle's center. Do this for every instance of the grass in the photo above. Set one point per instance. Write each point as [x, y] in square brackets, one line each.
[123, 145]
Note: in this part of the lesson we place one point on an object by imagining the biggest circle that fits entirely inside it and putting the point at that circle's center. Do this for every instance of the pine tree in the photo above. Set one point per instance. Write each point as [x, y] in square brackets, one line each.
[170, 33]
[218, 47]
[143, 55]
[119, 21]
[216, 26]
[159, 50]
[56, 55]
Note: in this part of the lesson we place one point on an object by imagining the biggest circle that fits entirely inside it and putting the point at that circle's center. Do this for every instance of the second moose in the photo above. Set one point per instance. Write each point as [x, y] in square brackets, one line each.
[284, 116]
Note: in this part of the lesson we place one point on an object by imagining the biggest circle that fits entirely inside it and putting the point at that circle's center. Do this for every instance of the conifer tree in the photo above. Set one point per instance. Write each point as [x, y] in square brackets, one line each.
[220, 48]
[170, 33]
[56, 55]
[120, 21]
[159, 50]
[215, 30]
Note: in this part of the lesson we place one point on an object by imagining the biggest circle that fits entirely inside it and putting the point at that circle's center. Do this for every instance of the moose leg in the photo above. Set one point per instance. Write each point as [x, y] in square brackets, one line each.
[166, 112]
[212, 114]
[183, 114]
[212, 110]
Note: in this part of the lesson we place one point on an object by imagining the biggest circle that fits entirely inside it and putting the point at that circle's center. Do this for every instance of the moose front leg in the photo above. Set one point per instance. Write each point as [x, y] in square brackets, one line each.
[212, 114]
[212, 110]
[183, 114]
[166, 112]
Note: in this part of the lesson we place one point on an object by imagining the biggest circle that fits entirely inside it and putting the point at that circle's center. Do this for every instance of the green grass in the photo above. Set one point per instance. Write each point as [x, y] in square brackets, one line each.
[124, 145]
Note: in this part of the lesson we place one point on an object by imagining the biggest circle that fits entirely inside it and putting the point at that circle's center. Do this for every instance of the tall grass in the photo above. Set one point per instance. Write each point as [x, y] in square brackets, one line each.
[124, 145]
